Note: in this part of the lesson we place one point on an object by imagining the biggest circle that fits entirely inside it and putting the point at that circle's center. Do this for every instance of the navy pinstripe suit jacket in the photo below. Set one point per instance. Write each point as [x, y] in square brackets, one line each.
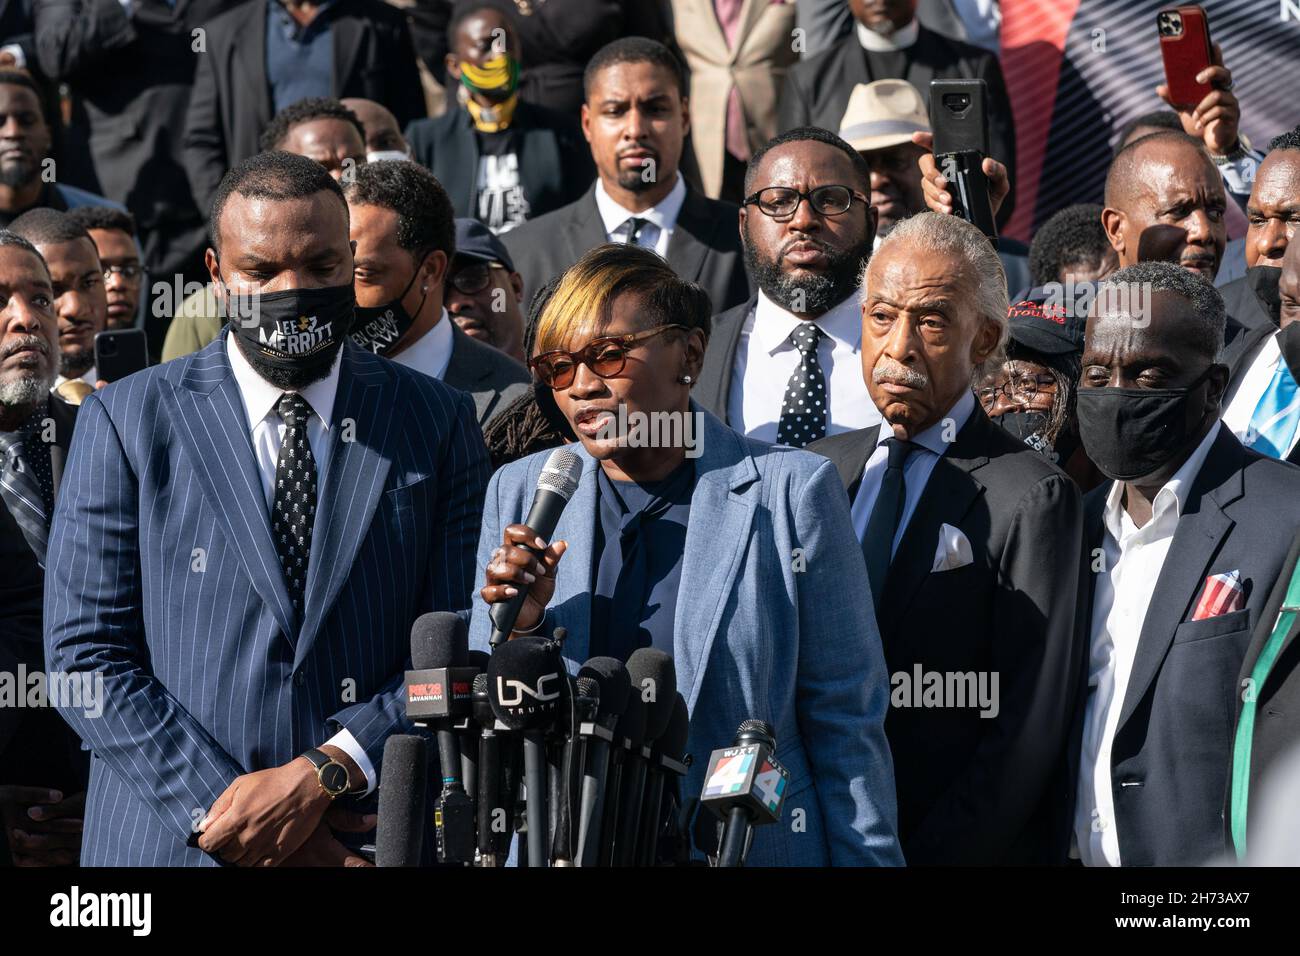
[162, 576]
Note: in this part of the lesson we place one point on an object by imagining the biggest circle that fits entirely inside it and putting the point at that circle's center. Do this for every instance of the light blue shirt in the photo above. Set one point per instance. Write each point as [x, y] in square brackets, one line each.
[933, 442]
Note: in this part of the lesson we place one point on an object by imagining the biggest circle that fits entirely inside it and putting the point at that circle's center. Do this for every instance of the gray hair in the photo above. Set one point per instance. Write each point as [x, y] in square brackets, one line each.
[1132, 287]
[956, 237]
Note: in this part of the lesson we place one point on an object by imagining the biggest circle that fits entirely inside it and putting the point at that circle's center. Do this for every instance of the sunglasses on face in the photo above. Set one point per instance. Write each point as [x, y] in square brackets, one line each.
[472, 279]
[606, 356]
[780, 202]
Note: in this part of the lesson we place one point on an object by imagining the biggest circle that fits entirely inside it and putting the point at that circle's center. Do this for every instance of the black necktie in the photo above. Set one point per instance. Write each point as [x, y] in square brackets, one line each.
[293, 509]
[804, 408]
[26, 482]
[635, 224]
[878, 542]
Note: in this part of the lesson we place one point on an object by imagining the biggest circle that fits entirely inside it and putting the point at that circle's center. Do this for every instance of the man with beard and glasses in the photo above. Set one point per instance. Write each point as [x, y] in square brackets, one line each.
[25, 178]
[972, 542]
[635, 119]
[784, 366]
[1188, 538]
[316, 496]
[42, 767]
[405, 239]
[80, 299]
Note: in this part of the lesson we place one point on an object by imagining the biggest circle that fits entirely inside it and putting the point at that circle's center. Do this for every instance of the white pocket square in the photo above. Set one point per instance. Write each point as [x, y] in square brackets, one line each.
[953, 552]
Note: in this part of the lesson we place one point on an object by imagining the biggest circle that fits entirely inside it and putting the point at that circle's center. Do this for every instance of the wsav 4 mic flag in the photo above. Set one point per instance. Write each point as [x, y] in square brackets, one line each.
[745, 786]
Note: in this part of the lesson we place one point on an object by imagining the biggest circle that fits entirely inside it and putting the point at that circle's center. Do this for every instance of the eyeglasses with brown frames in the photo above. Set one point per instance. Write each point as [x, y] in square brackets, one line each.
[606, 356]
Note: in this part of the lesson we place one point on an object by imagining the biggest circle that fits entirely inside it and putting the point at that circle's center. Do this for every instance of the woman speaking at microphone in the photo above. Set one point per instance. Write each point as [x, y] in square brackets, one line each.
[729, 554]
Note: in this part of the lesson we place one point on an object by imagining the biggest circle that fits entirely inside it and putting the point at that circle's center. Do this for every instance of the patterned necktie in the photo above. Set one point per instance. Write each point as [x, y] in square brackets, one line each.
[293, 510]
[635, 225]
[27, 483]
[1273, 425]
[804, 409]
[878, 542]
[737, 135]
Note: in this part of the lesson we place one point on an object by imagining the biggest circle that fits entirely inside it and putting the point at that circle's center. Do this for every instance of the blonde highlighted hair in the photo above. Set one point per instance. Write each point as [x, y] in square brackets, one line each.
[582, 304]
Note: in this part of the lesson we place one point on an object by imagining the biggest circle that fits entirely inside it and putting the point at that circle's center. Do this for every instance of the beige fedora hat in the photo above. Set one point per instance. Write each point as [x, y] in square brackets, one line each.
[883, 113]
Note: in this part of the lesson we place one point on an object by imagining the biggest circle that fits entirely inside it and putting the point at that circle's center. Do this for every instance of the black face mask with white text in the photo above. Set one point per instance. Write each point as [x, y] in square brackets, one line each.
[291, 338]
[379, 328]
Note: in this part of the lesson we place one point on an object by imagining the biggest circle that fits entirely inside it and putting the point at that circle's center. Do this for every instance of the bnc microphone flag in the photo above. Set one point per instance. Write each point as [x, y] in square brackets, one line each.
[1078, 70]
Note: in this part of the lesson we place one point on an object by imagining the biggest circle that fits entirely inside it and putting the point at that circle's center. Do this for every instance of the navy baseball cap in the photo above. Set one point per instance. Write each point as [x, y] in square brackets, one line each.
[476, 240]
[1046, 320]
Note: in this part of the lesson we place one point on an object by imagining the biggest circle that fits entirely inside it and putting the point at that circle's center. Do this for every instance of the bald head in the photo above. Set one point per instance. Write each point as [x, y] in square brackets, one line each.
[383, 134]
[1165, 202]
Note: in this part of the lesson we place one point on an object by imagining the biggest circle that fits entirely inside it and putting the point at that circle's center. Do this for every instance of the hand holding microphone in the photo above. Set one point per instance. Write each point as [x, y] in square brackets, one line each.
[516, 568]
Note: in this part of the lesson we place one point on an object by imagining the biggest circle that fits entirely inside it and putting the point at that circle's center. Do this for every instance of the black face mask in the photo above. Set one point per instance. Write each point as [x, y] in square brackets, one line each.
[1027, 427]
[1131, 432]
[379, 328]
[1263, 281]
[291, 338]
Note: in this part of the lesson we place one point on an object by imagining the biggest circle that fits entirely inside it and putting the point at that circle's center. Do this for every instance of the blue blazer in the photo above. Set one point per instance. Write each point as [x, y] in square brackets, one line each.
[774, 622]
[162, 577]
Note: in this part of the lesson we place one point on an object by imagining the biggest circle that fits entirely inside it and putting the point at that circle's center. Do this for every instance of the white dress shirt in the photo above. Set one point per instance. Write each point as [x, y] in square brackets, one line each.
[90, 377]
[1133, 559]
[766, 358]
[431, 352]
[1244, 400]
[934, 442]
[660, 219]
[267, 429]
[900, 39]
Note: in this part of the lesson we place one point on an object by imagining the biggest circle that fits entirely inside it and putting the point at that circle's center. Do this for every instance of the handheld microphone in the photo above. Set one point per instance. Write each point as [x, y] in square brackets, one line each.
[629, 734]
[667, 758]
[745, 786]
[402, 793]
[654, 680]
[555, 486]
[570, 753]
[614, 686]
[526, 689]
[438, 694]
[467, 729]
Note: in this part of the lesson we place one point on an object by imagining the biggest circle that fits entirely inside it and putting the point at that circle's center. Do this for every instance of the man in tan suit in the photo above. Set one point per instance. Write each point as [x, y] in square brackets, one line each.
[737, 52]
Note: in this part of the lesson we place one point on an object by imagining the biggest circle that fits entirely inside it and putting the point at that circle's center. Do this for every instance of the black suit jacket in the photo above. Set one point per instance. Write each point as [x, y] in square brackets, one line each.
[705, 247]
[817, 89]
[714, 386]
[971, 789]
[554, 160]
[1173, 745]
[37, 748]
[231, 104]
[492, 378]
[1277, 701]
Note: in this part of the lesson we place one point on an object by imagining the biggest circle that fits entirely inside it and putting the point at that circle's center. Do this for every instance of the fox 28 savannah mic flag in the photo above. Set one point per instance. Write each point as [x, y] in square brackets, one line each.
[1078, 70]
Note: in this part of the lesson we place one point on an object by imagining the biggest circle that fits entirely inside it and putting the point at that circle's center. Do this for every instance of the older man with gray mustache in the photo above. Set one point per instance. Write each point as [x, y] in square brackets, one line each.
[973, 544]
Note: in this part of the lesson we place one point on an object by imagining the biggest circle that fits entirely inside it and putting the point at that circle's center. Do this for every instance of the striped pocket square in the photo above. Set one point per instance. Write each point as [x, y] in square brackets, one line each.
[1221, 594]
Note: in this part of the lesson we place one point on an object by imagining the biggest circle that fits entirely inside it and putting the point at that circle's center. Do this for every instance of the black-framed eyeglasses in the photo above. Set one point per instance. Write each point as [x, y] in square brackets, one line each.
[473, 278]
[780, 202]
[606, 356]
[131, 271]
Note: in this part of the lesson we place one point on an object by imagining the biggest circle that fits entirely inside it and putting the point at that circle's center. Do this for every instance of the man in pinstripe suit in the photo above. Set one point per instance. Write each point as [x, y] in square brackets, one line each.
[246, 607]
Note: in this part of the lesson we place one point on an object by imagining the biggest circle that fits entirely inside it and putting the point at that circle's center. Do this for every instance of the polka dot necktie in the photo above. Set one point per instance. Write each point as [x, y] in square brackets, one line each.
[293, 508]
[804, 409]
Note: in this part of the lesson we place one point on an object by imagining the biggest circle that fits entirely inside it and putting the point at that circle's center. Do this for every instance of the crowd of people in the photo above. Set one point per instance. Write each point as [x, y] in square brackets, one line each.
[999, 538]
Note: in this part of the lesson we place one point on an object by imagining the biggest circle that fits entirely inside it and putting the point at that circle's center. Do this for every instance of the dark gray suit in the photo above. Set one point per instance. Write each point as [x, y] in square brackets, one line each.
[972, 789]
[1172, 750]
[705, 246]
[714, 385]
[492, 378]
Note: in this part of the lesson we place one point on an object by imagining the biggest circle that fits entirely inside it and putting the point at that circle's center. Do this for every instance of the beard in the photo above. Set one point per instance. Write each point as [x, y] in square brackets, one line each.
[28, 385]
[17, 172]
[296, 377]
[76, 364]
[818, 293]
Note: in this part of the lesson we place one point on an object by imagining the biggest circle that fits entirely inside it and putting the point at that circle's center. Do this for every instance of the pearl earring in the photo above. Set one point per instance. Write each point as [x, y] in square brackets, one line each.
[686, 380]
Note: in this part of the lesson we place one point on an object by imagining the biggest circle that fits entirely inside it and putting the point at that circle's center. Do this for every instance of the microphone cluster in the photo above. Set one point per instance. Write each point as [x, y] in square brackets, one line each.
[587, 771]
